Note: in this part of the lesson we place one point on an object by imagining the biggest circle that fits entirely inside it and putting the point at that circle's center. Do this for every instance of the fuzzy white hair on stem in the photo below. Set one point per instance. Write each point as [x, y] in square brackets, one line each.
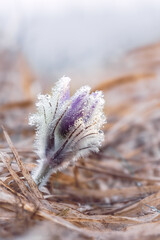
[67, 128]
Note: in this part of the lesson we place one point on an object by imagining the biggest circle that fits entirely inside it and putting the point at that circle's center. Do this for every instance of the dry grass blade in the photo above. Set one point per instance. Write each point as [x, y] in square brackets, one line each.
[6, 160]
[107, 219]
[137, 208]
[106, 85]
[21, 104]
[10, 189]
[112, 172]
[58, 220]
[25, 172]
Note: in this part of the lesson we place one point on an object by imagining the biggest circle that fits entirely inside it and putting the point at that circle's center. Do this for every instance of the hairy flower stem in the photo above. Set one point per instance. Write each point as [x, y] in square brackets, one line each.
[42, 173]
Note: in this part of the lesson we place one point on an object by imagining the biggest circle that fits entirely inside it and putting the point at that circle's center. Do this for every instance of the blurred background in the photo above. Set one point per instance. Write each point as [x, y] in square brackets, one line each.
[85, 40]
[92, 42]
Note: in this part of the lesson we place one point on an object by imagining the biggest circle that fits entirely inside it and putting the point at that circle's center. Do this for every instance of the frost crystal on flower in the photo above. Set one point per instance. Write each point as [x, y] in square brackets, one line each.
[66, 127]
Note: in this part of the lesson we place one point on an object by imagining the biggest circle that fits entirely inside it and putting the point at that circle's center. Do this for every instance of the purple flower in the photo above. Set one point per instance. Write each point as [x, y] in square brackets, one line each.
[66, 128]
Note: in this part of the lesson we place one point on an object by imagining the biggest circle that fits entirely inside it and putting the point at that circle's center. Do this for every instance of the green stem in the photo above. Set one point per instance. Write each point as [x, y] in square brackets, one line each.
[42, 173]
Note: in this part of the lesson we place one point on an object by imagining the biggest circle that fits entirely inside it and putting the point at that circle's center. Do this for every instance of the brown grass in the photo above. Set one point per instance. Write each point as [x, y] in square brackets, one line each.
[114, 194]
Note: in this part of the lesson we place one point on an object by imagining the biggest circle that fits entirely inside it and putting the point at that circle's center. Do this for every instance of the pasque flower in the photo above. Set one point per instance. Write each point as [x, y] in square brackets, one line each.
[66, 128]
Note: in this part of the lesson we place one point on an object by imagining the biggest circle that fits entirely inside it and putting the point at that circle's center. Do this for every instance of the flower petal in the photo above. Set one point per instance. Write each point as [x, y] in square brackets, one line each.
[65, 93]
[94, 113]
[75, 111]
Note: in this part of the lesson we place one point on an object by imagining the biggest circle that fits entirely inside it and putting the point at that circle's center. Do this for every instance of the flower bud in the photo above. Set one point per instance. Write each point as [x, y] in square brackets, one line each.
[66, 128]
